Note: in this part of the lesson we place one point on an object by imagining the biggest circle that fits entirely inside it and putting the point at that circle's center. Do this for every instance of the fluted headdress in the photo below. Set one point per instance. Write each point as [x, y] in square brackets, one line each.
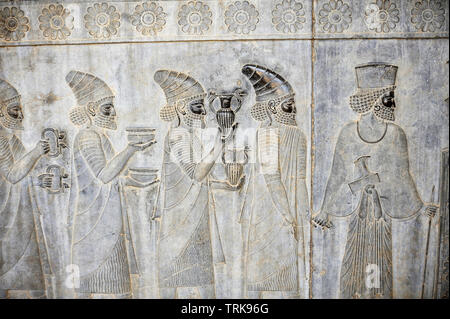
[179, 89]
[270, 88]
[88, 88]
[8, 93]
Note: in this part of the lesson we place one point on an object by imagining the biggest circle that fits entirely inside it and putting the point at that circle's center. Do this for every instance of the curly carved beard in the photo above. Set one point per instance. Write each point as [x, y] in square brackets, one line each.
[10, 123]
[383, 112]
[193, 120]
[285, 118]
[104, 121]
[370, 100]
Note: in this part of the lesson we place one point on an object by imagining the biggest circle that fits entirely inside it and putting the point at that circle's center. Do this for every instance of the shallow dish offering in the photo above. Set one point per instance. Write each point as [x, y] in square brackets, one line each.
[143, 174]
[140, 135]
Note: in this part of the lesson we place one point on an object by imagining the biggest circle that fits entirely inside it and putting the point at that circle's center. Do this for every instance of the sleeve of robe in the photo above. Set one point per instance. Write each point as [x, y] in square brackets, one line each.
[337, 200]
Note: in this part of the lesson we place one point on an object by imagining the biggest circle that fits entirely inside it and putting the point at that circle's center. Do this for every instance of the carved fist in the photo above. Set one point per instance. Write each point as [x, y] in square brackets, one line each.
[431, 210]
[322, 220]
[46, 180]
[44, 146]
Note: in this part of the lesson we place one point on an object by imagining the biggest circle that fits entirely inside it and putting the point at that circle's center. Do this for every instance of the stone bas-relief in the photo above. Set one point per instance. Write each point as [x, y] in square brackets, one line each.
[277, 198]
[223, 169]
[388, 192]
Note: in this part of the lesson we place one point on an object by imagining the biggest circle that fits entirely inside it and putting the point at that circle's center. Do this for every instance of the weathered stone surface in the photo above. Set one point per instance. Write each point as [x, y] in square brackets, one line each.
[91, 207]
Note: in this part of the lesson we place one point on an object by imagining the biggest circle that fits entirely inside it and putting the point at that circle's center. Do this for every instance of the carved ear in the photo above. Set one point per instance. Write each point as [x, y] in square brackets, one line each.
[181, 105]
[271, 106]
[91, 109]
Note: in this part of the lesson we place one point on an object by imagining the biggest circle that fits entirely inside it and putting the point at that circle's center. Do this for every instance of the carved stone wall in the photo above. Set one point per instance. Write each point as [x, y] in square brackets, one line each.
[224, 149]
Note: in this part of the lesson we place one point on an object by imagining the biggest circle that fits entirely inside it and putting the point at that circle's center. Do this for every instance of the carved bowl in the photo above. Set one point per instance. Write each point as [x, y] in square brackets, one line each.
[140, 135]
[143, 174]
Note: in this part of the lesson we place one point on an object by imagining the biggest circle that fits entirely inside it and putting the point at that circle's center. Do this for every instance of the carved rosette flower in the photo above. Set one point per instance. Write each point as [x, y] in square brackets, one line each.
[288, 16]
[102, 20]
[56, 22]
[428, 15]
[194, 17]
[381, 16]
[335, 16]
[13, 24]
[148, 18]
[241, 17]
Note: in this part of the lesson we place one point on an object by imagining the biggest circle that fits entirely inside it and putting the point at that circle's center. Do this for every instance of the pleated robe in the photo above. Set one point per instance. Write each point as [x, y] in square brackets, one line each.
[185, 257]
[367, 265]
[272, 257]
[98, 243]
[20, 263]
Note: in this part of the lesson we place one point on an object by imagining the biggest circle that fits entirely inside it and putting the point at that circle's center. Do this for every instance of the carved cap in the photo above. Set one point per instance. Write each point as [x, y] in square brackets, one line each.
[178, 86]
[375, 75]
[268, 85]
[7, 92]
[87, 87]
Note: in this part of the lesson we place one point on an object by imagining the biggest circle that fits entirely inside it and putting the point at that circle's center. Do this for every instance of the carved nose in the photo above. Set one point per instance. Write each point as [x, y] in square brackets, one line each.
[246, 70]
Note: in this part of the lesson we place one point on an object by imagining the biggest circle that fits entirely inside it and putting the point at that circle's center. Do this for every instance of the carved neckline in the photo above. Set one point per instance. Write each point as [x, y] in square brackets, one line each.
[371, 142]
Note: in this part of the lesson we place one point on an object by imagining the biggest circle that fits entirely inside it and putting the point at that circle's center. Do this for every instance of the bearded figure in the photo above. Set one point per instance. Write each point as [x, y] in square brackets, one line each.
[21, 274]
[98, 244]
[370, 183]
[187, 251]
[276, 202]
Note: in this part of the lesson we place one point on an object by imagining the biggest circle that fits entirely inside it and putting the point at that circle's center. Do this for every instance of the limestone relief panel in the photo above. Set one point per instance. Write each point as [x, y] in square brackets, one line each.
[224, 149]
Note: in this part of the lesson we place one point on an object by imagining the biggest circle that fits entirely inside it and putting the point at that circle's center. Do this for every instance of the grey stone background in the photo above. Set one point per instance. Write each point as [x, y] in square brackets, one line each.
[318, 64]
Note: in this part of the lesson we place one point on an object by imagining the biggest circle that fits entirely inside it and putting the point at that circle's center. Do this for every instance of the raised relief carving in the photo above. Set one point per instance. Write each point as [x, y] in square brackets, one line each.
[195, 17]
[13, 24]
[53, 180]
[148, 18]
[288, 16]
[189, 242]
[381, 16]
[370, 184]
[226, 114]
[241, 17]
[441, 287]
[276, 201]
[21, 260]
[230, 104]
[56, 139]
[428, 15]
[102, 20]
[99, 235]
[56, 22]
[335, 16]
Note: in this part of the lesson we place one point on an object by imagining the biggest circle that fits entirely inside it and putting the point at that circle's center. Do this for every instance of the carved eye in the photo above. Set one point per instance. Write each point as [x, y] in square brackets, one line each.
[288, 106]
[197, 107]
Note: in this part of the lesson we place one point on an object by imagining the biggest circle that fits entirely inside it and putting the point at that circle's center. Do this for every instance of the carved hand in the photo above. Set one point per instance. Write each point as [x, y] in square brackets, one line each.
[322, 220]
[431, 210]
[43, 146]
[46, 180]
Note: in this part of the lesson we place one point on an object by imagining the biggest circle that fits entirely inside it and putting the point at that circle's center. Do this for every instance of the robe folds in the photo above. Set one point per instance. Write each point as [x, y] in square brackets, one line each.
[367, 265]
[185, 250]
[98, 244]
[20, 263]
[275, 260]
